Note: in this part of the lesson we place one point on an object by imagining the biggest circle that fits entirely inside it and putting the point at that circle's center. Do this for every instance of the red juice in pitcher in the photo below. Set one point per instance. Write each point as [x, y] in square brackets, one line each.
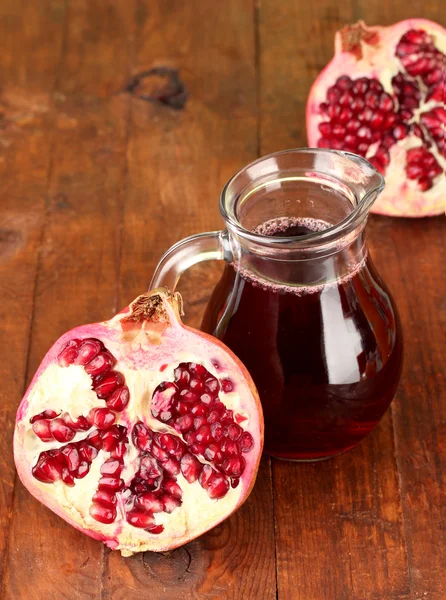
[326, 359]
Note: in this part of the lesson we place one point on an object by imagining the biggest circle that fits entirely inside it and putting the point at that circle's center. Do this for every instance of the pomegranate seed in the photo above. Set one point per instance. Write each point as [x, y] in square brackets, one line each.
[190, 468]
[142, 437]
[83, 469]
[108, 384]
[61, 432]
[183, 408]
[149, 502]
[213, 453]
[212, 386]
[189, 437]
[203, 435]
[69, 353]
[156, 529]
[227, 417]
[234, 482]
[184, 423]
[182, 377]
[46, 414]
[42, 429]
[172, 488]
[386, 103]
[47, 469]
[424, 184]
[102, 418]
[377, 121]
[217, 486]
[198, 410]
[80, 425]
[72, 456]
[119, 399]
[119, 450]
[198, 422]
[229, 447]
[104, 498]
[372, 99]
[101, 364]
[140, 519]
[414, 171]
[169, 442]
[353, 125]
[138, 486]
[163, 398]
[189, 396]
[217, 431]
[357, 105]
[344, 82]
[197, 386]
[94, 439]
[111, 467]
[67, 477]
[198, 448]
[206, 399]
[103, 514]
[377, 163]
[198, 370]
[227, 386]
[246, 442]
[159, 453]
[205, 475]
[400, 131]
[170, 503]
[325, 128]
[109, 483]
[88, 350]
[233, 431]
[171, 466]
[86, 451]
[234, 466]
[213, 417]
[149, 468]
[333, 95]
[111, 437]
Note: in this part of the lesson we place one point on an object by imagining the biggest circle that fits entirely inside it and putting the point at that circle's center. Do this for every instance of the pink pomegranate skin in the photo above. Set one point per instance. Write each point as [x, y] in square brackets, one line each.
[402, 132]
[150, 346]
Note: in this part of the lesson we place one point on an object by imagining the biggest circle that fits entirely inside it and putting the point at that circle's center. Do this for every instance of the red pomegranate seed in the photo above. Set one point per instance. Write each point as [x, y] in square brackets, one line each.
[170, 503]
[212, 386]
[198, 448]
[246, 442]
[111, 437]
[227, 386]
[233, 431]
[72, 456]
[205, 475]
[86, 451]
[149, 468]
[217, 431]
[198, 422]
[206, 399]
[198, 410]
[156, 529]
[159, 453]
[42, 429]
[189, 437]
[213, 417]
[102, 418]
[182, 408]
[68, 354]
[67, 477]
[234, 482]
[46, 414]
[61, 432]
[105, 386]
[217, 486]
[229, 447]
[108, 483]
[234, 466]
[227, 417]
[103, 514]
[82, 470]
[190, 467]
[172, 487]
[149, 502]
[104, 498]
[189, 396]
[81, 424]
[48, 469]
[213, 453]
[184, 423]
[142, 437]
[111, 467]
[119, 450]
[171, 466]
[196, 385]
[101, 364]
[197, 370]
[88, 350]
[94, 439]
[203, 435]
[119, 399]
[182, 377]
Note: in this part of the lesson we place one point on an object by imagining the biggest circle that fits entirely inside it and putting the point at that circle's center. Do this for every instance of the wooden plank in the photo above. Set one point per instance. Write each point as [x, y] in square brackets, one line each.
[339, 528]
[78, 268]
[178, 163]
[415, 271]
[24, 161]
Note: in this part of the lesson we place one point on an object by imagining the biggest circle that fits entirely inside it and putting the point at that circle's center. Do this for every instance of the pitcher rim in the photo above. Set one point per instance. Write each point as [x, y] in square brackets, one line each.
[316, 238]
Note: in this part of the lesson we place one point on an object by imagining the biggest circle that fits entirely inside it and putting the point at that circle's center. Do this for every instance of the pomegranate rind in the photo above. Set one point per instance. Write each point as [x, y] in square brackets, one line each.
[155, 343]
[376, 58]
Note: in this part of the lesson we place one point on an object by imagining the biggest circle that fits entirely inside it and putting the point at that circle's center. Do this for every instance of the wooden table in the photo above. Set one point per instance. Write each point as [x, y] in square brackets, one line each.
[96, 183]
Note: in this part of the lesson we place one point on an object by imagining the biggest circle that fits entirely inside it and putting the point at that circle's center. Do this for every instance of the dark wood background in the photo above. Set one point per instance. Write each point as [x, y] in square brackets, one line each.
[96, 184]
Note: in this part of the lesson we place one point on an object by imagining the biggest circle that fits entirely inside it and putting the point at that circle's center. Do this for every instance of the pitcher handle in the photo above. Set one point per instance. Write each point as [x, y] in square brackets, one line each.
[213, 245]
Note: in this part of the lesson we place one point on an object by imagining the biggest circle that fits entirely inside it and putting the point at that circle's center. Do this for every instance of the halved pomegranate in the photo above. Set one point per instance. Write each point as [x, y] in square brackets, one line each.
[139, 431]
[383, 97]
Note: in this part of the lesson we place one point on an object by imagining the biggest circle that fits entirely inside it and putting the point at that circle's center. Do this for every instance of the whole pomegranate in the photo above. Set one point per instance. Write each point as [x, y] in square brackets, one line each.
[139, 431]
[383, 97]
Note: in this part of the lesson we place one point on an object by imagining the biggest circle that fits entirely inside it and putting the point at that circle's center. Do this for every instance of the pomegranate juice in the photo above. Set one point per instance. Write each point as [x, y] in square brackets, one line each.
[326, 361]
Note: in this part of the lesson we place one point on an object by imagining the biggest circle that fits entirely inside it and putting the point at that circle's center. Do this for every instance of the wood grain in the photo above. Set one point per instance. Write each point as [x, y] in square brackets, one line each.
[77, 274]
[25, 149]
[178, 163]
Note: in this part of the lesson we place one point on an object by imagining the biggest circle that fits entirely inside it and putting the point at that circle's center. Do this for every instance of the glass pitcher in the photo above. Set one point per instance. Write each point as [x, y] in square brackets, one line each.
[300, 302]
